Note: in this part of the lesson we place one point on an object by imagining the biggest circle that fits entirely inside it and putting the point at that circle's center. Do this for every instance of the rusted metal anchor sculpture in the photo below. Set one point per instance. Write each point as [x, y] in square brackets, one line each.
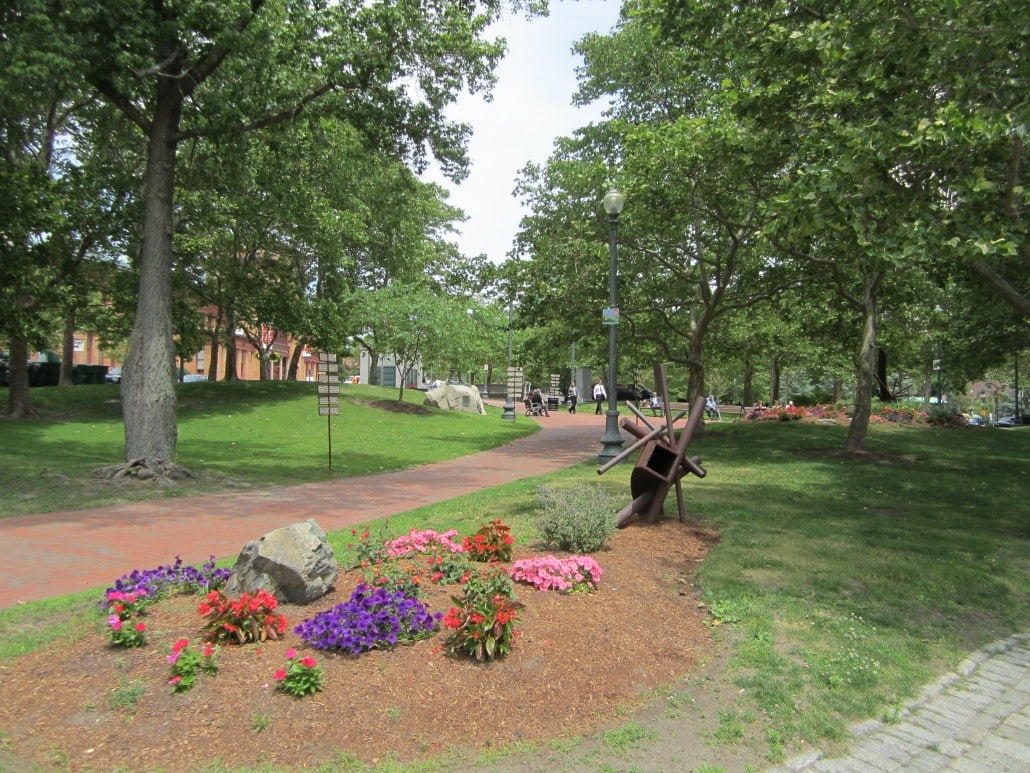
[662, 462]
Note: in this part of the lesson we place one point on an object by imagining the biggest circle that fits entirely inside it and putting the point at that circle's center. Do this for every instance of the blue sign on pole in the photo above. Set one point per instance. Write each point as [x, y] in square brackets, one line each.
[610, 316]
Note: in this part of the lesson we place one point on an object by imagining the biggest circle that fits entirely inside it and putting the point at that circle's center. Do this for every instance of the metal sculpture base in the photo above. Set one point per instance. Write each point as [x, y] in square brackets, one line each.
[663, 460]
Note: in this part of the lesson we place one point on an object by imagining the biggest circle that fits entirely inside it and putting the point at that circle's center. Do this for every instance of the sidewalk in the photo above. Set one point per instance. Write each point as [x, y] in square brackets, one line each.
[54, 554]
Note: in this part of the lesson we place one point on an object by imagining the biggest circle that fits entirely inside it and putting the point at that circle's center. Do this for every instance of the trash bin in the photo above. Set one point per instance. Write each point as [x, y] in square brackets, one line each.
[99, 374]
[49, 373]
[80, 374]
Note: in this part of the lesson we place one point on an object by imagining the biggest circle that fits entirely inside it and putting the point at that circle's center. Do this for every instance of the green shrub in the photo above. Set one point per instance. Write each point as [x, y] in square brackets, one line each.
[579, 519]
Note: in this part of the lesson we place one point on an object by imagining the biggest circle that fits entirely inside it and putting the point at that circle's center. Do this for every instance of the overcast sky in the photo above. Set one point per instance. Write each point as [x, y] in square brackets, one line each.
[532, 106]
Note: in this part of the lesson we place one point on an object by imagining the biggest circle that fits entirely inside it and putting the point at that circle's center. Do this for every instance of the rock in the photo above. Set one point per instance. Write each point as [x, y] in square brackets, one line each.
[295, 564]
[455, 397]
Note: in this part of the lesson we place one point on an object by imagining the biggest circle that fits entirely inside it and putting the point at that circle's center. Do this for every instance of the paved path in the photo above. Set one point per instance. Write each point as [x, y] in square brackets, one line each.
[57, 553]
[977, 719]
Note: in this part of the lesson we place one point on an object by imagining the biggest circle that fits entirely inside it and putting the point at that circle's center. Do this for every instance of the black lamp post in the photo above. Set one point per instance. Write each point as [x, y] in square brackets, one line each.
[612, 439]
[509, 401]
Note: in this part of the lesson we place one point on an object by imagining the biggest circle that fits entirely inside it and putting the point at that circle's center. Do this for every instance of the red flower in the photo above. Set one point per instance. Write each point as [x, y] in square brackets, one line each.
[308, 662]
[453, 619]
[280, 674]
[141, 627]
[180, 645]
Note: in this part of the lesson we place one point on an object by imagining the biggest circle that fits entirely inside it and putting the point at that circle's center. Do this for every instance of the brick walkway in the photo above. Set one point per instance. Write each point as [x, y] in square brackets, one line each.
[58, 553]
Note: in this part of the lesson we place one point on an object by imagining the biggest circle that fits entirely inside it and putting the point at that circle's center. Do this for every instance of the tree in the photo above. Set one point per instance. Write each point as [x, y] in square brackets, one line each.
[893, 145]
[413, 323]
[207, 68]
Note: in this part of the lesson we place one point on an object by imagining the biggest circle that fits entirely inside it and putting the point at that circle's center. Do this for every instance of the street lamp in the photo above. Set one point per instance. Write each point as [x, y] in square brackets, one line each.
[612, 439]
[509, 401]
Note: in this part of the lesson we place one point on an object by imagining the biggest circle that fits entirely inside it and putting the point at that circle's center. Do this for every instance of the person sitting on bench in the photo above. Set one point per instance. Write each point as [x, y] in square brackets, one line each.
[537, 399]
[656, 404]
[711, 407]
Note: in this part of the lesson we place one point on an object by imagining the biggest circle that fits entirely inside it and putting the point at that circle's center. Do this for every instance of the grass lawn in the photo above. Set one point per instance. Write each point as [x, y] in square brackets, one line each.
[843, 586]
[237, 434]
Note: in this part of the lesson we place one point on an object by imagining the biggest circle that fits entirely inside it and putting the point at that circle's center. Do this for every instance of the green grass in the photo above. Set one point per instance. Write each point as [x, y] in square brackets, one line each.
[843, 586]
[238, 434]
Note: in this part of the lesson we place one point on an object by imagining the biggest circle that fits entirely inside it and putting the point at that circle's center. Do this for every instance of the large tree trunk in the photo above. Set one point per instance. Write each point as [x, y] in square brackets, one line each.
[230, 347]
[298, 350]
[865, 366]
[881, 376]
[373, 366]
[68, 351]
[212, 364]
[749, 374]
[148, 386]
[19, 404]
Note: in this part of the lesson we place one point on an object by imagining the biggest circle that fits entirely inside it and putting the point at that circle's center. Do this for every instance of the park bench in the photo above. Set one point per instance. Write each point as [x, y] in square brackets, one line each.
[729, 409]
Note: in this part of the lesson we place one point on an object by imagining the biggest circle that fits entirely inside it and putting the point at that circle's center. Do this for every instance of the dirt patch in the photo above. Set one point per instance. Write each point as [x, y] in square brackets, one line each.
[581, 662]
[397, 406]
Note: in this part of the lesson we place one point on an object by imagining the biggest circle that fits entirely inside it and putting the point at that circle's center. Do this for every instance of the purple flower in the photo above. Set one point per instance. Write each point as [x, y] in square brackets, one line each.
[372, 618]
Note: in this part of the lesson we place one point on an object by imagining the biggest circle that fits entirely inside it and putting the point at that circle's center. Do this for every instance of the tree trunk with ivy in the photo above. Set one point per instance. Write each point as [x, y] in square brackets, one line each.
[865, 366]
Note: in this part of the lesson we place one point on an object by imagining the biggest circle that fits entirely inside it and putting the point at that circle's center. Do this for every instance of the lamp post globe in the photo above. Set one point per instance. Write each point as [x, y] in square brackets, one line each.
[611, 441]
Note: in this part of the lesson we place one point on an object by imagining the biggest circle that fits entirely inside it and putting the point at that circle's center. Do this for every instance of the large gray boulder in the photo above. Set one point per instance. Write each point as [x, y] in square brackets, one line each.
[455, 397]
[295, 564]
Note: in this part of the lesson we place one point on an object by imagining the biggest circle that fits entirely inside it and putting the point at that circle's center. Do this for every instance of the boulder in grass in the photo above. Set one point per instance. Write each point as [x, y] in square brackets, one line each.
[295, 564]
[455, 397]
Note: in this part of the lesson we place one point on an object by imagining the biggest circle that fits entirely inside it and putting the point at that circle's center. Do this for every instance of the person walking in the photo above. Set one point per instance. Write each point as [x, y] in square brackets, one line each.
[600, 395]
[573, 397]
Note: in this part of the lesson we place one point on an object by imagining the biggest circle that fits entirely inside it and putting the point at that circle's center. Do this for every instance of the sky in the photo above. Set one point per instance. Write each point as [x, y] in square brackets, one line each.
[531, 107]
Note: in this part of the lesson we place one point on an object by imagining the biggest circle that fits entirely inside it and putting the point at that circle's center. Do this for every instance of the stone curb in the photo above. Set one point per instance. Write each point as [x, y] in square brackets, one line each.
[881, 756]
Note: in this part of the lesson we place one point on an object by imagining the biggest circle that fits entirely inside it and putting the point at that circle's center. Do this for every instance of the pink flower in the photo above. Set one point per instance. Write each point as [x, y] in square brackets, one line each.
[173, 658]
[175, 680]
[291, 653]
[116, 622]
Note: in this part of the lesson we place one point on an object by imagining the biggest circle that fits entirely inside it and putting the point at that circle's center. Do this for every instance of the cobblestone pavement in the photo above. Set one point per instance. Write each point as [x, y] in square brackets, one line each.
[976, 719]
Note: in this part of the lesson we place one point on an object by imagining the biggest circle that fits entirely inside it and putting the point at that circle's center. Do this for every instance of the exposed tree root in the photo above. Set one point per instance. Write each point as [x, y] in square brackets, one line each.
[142, 470]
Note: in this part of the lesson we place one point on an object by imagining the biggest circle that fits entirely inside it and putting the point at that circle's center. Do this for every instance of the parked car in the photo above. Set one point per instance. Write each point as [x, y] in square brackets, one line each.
[1014, 421]
[113, 375]
[191, 377]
